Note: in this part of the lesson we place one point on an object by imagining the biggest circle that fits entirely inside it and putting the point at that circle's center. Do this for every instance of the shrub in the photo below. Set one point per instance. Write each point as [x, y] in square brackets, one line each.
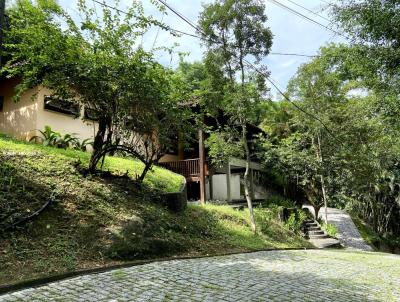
[55, 139]
[330, 229]
[279, 201]
[296, 220]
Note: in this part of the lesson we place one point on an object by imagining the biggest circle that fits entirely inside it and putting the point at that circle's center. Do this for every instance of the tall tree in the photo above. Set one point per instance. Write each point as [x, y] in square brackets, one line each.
[236, 32]
[374, 26]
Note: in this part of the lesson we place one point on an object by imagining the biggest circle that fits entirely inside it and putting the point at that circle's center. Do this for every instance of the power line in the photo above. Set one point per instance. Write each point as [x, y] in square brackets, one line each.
[267, 77]
[309, 10]
[177, 31]
[158, 32]
[306, 17]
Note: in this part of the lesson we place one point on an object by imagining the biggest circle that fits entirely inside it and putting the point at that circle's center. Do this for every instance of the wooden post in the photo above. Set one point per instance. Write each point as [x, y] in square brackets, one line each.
[202, 160]
[228, 182]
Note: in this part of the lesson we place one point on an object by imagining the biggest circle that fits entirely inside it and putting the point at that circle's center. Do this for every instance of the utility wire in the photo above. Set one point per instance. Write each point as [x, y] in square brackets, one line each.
[267, 77]
[309, 10]
[177, 31]
[307, 18]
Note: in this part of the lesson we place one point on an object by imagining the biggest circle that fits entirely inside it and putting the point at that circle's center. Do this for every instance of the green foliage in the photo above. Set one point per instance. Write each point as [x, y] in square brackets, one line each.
[296, 220]
[279, 201]
[330, 229]
[55, 139]
[340, 141]
[222, 147]
[99, 63]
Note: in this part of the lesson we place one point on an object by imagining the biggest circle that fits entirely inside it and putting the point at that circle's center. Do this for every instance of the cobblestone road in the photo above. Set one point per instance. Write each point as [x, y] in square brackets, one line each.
[312, 275]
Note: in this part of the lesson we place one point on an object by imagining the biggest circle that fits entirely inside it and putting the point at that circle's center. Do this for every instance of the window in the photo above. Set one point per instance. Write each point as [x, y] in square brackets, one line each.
[1, 103]
[91, 114]
[62, 106]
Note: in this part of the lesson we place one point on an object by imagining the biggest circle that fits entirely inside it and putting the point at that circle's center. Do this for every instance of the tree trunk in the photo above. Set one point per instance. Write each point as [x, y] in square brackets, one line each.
[324, 196]
[246, 177]
[316, 211]
[146, 169]
[98, 144]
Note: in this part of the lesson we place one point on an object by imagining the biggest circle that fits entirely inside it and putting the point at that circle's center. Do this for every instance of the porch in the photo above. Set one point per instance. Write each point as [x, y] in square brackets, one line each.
[224, 183]
[189, 168]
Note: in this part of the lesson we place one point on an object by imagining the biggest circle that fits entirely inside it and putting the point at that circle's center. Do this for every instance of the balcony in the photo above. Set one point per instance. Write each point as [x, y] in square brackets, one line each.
[189, 168]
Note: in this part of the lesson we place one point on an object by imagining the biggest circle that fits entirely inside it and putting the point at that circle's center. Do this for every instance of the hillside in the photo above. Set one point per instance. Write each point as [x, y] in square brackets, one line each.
[98, 221]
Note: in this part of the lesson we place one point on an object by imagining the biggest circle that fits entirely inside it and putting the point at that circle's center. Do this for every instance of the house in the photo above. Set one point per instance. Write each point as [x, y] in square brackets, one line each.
[207, 182]
[37, 108]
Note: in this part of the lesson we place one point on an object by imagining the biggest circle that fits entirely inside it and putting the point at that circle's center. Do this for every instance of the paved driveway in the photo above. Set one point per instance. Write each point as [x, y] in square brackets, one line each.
[312, 275]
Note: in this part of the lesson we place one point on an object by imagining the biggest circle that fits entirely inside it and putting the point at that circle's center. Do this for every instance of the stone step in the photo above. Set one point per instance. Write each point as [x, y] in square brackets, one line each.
[321, 236]
[311, 224]
[326, 243]
[319, 232]
[313, 228]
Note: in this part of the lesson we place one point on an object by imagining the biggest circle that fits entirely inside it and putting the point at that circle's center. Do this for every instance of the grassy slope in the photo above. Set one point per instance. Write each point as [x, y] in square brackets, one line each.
[101, 221]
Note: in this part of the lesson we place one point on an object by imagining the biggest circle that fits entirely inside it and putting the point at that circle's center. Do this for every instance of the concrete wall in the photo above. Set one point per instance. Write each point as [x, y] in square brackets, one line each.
[220, 187]
[63, 123]
[18, 118]
[22, 119]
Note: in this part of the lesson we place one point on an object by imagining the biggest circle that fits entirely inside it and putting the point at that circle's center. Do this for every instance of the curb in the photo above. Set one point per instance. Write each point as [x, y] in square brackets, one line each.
[34, 283]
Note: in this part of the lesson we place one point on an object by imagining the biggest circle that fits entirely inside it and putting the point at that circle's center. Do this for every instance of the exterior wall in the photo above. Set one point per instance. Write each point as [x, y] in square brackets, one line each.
[18, 118]
[62, 123]
[220, 187]
[24, 118]
[169, 158]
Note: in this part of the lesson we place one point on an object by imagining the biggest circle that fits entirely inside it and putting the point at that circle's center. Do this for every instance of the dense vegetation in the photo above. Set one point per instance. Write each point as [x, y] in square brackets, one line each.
[106, 219]
[339, 142]
[97, 63]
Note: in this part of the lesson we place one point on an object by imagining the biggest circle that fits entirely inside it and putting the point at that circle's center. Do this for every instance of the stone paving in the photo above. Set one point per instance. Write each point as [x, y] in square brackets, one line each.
[298, 275]
[348, 234]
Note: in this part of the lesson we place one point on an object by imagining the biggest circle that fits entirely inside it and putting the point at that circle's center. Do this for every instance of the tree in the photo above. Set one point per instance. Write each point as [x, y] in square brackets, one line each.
[99, 64]
[359, 161]
[235, 32]
[374, 26]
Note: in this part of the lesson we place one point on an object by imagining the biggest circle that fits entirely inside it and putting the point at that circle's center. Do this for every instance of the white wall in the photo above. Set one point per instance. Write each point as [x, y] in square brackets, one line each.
[220, 187]
[18, 118]
[62, 122]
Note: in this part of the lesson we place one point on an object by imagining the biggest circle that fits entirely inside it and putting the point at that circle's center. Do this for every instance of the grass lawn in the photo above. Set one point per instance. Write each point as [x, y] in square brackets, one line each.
[98, 221]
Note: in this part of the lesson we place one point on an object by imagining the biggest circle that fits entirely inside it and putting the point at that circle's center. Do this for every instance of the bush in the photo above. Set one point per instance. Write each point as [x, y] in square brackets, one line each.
[296, 220]
[330, 229]
[278, 201]
[265, 216]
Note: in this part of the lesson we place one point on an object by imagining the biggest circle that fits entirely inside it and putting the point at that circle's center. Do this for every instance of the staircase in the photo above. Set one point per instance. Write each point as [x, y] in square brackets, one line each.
[314, 233]
[313, 230]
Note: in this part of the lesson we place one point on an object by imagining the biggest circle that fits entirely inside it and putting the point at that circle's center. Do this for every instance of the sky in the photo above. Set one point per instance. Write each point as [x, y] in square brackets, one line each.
[292, 34]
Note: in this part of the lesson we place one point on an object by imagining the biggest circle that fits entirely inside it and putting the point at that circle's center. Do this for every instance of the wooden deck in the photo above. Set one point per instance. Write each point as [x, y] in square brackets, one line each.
[189, 168]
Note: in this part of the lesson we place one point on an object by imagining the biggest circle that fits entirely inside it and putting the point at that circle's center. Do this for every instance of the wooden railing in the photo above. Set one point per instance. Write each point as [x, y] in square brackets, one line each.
[187, 168]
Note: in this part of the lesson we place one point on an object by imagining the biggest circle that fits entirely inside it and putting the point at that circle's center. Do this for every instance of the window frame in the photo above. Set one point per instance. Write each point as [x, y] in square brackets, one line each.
[54, 108]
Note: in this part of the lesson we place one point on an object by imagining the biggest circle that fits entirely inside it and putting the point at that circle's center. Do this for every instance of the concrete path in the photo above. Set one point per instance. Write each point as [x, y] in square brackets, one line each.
[348, 234]
[301, 275]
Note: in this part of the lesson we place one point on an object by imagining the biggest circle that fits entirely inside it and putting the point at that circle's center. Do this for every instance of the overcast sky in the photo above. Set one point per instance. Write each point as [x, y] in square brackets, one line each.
[292, 34]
